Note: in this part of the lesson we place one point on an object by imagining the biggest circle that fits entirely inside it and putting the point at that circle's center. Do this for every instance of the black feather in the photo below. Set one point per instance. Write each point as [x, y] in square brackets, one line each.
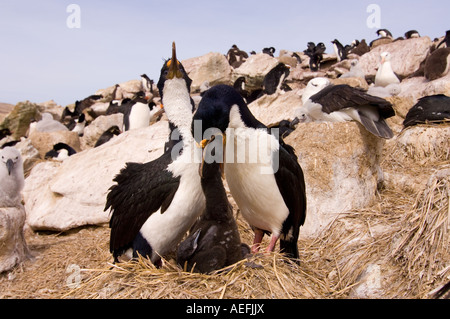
[140, 191]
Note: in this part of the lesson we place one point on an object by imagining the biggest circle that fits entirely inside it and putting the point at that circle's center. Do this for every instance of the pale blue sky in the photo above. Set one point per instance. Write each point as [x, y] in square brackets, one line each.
[41, 58]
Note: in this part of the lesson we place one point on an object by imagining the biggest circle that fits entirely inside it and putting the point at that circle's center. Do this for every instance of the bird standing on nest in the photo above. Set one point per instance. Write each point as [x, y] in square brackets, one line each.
[154, 204]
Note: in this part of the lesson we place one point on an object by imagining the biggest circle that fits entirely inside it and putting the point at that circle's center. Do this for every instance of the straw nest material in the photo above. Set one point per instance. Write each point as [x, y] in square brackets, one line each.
[404, 235]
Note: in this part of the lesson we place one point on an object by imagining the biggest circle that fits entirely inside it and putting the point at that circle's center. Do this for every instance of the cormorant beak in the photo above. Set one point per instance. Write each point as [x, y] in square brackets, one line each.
[174, 65]
[203, 144]
[9, 166]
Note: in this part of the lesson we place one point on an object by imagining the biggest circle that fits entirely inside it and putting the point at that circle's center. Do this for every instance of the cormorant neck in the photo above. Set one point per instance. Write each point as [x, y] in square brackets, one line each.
[178, 107]
[217, 205]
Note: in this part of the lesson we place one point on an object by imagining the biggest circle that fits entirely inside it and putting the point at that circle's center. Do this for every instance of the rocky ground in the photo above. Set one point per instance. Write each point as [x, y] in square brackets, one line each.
[377, 224]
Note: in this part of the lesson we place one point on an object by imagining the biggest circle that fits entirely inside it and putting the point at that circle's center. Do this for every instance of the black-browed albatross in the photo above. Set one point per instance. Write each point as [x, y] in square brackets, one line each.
[324, 102]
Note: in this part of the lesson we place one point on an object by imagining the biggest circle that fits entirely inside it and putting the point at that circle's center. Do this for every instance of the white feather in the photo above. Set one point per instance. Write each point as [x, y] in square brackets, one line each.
[250, 176]
[385, 75]
[164, 231]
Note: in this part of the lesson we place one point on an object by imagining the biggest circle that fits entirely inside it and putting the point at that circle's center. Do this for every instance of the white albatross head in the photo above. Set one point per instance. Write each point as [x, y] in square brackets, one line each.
[314, 86]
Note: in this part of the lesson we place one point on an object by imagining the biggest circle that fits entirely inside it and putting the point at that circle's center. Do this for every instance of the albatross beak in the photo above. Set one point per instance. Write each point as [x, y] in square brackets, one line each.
[9, 166]
[174, 65]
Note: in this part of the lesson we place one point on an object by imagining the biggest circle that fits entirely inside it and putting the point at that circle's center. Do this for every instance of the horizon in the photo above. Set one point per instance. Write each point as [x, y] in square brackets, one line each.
[56, 51]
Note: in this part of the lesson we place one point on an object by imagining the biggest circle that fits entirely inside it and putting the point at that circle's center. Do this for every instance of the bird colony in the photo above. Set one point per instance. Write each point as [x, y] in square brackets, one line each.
[298, 174]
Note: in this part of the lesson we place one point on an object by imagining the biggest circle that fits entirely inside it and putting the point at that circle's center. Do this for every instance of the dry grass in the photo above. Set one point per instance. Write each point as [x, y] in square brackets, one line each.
[405, 232]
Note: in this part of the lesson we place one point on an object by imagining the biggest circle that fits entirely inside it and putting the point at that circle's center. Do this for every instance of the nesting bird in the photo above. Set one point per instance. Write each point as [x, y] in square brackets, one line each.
[214, 242]
[356, 71]
[433, 109]
[154, 204]
[11, 177]
[48, 124]
[385, 75]
[266, 180]
[324, 102]
[60, 152]
[80, 125]
[437, 64]
[107, 135]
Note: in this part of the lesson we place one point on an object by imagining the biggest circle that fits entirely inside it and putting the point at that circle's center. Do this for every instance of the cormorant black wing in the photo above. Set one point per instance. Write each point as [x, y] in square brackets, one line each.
[140, 191]
[291, 183]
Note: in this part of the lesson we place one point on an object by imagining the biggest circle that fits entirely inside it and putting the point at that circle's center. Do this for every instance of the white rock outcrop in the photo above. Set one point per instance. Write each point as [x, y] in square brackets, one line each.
[340, 162]
[212, 68]
[274, 108]
[96, 128]
[60, 196]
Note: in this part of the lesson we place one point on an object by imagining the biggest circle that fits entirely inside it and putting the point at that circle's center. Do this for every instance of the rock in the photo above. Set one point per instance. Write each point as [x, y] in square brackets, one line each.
[288, 60]
[254, 69]
[129, 89]
[51, 107]
[270, 109]
[13, 247]
[406, 56]
[401, 105]
[19, 119]
[341, 166]
[100, 108]
[354, 82]
[110, 93]
[381, 41]
[48, 124]
[94, 130]
[212, 67]
[60, 196]
[30, 154]
[44, 141]
[419, 87]
[425, 143]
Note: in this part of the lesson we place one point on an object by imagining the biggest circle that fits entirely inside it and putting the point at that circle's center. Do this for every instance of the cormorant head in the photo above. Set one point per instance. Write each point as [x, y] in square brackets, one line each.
[212, 157]
[171, 69]
[213, 112]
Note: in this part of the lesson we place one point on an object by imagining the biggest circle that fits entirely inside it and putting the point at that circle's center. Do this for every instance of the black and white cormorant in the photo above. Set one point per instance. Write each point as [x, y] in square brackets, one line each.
[154, 204]
[214, 242]
[262, 172]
